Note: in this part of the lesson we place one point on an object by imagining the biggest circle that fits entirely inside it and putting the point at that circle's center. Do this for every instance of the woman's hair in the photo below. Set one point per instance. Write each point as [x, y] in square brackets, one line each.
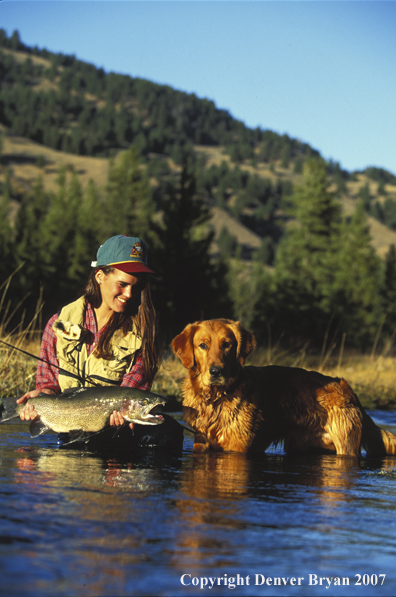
[141, 315]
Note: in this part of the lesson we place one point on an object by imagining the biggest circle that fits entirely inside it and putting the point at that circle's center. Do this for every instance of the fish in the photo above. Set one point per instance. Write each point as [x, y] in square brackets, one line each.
[81, 411]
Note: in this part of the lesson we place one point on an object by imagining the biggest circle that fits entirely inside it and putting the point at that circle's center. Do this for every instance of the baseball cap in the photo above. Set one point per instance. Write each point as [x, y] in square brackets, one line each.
[126, 253]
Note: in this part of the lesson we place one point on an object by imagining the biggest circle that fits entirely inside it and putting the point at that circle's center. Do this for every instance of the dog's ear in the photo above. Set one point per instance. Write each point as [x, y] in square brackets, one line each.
[246, 341]
[183, 346]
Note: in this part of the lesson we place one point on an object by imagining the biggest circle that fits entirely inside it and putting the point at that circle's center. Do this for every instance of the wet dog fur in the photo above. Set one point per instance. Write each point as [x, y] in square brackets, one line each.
[233, 407]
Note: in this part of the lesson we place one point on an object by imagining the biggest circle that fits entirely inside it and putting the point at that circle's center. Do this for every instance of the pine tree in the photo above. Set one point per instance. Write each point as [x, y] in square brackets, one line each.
[128, 206]
[28, 238]
[388, 292]
[365, 196]
[7, 261]
[358, 278]
[304, 264]
[58, 233]
[191, 286]
[226, 242]
[86, 239]
[250, 291]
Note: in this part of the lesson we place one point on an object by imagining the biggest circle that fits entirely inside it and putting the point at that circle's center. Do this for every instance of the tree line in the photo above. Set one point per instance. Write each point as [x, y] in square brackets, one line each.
[55, 235]
[326, 279]
[70, 105]
[86, 111]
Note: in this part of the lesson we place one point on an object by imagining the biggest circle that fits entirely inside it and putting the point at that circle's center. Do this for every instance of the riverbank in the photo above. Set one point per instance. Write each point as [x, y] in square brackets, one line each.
[372, 377]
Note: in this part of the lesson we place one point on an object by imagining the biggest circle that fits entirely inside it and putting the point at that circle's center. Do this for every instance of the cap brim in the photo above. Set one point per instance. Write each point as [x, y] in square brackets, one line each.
[133, 268]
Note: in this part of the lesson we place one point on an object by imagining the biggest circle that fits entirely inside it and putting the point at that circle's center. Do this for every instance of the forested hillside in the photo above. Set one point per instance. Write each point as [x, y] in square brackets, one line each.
[241, 223]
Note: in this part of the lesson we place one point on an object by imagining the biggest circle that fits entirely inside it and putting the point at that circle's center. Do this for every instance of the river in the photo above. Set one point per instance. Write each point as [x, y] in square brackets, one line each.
[76, 523]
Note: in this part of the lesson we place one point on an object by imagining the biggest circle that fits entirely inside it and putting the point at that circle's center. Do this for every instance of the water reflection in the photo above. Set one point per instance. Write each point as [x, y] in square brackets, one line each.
[68, 470]
[200, 478]
[91, 524]
[102, 511]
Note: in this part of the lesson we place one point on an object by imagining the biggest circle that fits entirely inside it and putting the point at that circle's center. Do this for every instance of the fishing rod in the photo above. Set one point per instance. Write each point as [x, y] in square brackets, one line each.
[82, 380]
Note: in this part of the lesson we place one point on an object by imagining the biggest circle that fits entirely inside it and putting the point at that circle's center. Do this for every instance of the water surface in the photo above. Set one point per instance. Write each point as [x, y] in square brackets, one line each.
[156, 523]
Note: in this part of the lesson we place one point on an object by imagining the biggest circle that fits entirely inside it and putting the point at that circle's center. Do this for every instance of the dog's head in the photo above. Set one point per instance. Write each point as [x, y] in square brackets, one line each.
[214, 349]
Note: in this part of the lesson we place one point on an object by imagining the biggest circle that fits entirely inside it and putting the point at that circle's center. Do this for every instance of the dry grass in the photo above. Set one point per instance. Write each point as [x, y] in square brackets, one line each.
[244, 236]
[372, 377]
[169, 378]
[17, 371]
[24, 156]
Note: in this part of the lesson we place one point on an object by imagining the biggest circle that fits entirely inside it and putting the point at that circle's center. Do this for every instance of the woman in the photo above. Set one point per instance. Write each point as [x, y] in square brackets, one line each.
[108, 335]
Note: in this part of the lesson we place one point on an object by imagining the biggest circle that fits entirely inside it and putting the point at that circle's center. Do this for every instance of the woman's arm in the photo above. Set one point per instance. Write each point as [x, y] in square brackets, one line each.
[47, 370]
[135, 378]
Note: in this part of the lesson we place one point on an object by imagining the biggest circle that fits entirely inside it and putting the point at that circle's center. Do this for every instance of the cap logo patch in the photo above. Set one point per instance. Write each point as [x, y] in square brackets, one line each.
[138, 251]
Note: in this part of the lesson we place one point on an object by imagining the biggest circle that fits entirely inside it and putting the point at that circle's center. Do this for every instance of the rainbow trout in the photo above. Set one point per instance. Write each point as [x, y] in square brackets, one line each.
[87, 410]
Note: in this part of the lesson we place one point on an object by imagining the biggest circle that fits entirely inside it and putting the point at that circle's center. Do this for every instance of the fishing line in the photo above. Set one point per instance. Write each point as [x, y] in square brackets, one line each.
[82, 380]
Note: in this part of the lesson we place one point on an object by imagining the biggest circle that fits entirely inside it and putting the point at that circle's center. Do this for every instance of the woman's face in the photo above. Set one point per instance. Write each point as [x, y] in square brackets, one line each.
[118, 289]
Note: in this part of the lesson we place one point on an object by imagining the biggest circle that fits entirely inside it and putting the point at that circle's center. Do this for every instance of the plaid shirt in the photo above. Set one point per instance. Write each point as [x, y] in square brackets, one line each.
[48, 377]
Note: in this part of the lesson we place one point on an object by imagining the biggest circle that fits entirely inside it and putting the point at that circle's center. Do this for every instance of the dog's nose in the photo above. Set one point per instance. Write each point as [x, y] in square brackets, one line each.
[215, 371]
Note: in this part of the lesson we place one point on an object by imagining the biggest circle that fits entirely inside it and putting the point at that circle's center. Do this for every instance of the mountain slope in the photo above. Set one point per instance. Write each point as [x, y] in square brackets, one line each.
[57, 110]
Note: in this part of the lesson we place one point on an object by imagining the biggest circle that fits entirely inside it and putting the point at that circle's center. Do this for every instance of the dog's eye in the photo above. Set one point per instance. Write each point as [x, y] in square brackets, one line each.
[203, 346]
[226, 344]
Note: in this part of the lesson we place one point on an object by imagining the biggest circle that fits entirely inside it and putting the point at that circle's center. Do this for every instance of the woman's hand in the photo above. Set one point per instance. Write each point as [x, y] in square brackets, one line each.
[28, 413]
[117, 419]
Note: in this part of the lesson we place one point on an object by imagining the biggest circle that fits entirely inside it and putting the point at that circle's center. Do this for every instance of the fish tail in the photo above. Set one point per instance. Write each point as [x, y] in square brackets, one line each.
[9, 409]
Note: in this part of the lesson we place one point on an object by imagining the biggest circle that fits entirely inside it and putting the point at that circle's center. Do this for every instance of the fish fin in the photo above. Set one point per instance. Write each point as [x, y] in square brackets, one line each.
[37, 427]
[8, 409]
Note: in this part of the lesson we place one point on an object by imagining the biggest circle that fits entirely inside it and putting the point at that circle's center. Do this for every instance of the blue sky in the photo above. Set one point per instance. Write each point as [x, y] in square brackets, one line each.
[321, 71]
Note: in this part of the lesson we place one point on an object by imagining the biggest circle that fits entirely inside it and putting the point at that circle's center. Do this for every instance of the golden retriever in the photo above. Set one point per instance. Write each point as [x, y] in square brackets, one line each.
[239, 408]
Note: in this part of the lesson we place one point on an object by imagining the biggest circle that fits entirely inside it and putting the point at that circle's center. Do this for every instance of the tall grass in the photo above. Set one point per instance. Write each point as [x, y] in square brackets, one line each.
[17, 371]
[372, 376]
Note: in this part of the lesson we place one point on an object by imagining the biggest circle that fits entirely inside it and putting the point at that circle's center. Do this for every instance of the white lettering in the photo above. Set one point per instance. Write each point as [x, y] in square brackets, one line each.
[182, 580]
[208, 582]
[240, 580]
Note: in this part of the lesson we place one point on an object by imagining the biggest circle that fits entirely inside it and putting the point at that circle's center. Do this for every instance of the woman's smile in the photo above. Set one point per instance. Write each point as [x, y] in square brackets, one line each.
[117, 289]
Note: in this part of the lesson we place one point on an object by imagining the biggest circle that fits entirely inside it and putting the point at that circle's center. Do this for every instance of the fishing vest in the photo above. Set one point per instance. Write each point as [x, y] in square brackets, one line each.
[72, 353]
